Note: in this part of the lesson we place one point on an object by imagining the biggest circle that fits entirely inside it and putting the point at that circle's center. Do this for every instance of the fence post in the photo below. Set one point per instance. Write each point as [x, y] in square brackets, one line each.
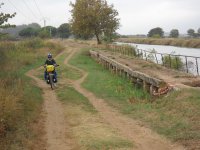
[186, 63]
[170, 61]
[197, 66]
[146, 55]
[138, 52]
[176, 63]
[156, 58]
[162, 59]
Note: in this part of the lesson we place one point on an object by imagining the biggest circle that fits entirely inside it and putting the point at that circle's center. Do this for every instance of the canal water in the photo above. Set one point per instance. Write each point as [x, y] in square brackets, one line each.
[192, 62]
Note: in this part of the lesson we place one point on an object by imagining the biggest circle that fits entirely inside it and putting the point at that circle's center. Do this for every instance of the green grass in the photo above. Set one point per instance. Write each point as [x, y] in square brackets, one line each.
[87, 127]
[106, 85]
[70, 96]
[65, 71]
[107, 143]
[176, 116]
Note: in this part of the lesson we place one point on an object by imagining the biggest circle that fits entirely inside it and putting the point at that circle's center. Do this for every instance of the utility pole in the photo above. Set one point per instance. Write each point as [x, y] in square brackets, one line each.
[44, 20]
[44, 23]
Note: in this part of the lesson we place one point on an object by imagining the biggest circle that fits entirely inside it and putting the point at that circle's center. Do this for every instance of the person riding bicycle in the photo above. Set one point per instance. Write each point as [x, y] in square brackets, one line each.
[50, 61]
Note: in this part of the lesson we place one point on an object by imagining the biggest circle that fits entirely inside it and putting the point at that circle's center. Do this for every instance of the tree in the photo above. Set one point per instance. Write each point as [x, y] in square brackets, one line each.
[3, 21]
[174, 33]
[28, 32]
[156, 32]
[198, 32]
[34, 25]
[4, 18]
[44, 33]
[64, 30]
[94, 18]
[52, 30]
[191, 32]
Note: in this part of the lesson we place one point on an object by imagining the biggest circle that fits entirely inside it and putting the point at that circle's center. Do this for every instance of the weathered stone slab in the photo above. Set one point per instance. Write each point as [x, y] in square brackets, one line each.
[132, 73]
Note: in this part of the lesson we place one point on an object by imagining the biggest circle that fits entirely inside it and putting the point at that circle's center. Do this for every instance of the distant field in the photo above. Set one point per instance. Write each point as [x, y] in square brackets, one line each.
[192, 43]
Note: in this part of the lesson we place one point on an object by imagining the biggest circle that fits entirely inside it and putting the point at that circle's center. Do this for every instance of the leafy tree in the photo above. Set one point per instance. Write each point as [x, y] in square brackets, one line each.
[174, 33]
[94, 18]
[156, 32]
[34, 25]
[191, 32]
[198, 32]
[28, 32]
[52, 30]
[111, 37]
[64, 30]
[3, 21]
[43, 33]
[4, 18]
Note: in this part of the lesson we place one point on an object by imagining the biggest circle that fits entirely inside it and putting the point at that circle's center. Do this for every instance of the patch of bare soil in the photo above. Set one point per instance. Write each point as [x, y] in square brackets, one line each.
[144, 138]
[193, 83]
[170, 76]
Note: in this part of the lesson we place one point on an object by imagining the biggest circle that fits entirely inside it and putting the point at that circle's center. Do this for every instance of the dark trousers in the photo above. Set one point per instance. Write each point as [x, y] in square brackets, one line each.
[45, 75]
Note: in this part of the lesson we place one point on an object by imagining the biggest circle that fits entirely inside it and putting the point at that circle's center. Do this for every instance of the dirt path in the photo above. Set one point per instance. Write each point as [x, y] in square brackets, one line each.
[143, 137]
[55, 125]
[57, 128]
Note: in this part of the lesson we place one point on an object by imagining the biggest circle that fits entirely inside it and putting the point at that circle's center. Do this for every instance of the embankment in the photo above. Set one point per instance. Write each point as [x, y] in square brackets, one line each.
[180, 42]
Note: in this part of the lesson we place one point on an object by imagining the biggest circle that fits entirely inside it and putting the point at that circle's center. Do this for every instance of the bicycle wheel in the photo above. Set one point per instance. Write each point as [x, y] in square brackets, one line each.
[51, 82]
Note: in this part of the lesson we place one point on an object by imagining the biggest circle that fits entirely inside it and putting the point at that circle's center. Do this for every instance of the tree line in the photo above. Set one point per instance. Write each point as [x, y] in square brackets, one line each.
[63, 31]
[174, 33]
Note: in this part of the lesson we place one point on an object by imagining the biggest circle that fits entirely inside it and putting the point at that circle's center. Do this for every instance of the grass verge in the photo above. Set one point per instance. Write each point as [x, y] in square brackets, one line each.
[175, 116]
[67, 72]
[87, 127]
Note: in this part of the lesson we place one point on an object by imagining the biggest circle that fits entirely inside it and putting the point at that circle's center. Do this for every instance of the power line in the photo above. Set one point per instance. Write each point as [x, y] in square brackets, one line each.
[30, 10]
[17, 9]
[38, 8]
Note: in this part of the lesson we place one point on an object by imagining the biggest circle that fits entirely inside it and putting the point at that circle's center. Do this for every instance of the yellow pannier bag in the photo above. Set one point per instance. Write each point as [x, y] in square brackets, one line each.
[50, 68]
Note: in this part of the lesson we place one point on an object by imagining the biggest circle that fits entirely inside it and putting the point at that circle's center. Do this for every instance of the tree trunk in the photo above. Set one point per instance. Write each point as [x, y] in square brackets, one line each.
[98, 40]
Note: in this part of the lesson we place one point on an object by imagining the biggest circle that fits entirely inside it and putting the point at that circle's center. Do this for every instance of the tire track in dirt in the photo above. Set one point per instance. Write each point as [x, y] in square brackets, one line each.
[142, 137]
[56, 127]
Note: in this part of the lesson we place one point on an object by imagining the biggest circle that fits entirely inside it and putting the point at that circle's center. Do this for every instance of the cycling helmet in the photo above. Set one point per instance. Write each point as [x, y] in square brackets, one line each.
[49, 55]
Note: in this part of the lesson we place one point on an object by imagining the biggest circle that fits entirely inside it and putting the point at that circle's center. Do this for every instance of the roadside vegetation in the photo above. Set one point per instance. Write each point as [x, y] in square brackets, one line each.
[87, 130]
[180, 42]
[20, 99]
[175, 116]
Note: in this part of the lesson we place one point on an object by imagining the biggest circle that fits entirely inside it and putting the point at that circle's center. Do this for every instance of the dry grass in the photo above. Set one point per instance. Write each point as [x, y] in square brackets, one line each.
[20, 99]
[193, 43]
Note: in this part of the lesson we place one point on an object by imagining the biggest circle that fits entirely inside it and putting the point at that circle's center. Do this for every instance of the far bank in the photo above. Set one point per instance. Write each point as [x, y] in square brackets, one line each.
[180, 42]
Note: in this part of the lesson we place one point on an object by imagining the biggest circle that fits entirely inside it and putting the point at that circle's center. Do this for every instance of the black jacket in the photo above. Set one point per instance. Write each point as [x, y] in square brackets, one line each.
[50, 62]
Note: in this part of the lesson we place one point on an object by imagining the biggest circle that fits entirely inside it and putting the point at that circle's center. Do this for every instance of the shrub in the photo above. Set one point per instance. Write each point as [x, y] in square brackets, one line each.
[33, 43]
[172, 62]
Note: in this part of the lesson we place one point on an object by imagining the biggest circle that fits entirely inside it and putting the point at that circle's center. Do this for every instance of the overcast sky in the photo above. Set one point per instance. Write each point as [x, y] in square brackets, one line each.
[137, 16]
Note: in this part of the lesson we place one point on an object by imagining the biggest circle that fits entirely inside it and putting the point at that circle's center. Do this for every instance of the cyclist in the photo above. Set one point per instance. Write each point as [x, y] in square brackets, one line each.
[50, 61]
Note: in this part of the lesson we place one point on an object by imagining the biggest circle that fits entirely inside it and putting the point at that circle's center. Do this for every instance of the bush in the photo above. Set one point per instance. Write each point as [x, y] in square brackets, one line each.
[33, 43]
[173, 62]
[123, 49]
